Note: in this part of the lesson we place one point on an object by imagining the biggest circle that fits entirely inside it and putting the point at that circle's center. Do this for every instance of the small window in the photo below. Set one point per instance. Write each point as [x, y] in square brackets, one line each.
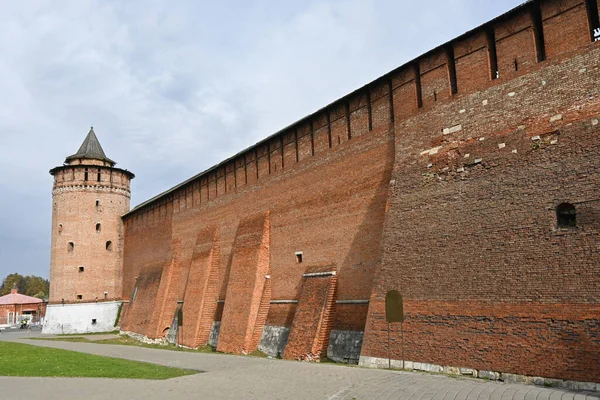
[93, 321]
[105, 295]
[85, 175]
[60, 229]
[79, 297]
[566, 216]
[97, 203]
[99, 176]
[98, 228]
[81, 268]
[109, 245]
[298, 257]
[70, 247]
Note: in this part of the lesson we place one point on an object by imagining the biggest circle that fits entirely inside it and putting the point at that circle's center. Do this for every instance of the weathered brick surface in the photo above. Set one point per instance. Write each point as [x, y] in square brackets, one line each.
[471, 239]
[467, 184]
[201, 294]
[87, 194]
[309, 335]
[245, 297]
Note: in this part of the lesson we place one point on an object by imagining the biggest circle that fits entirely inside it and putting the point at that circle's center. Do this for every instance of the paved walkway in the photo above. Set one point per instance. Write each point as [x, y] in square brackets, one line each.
[236, 377]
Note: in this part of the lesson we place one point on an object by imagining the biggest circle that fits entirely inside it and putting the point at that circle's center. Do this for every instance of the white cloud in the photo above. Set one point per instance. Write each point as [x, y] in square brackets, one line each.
[175, 87]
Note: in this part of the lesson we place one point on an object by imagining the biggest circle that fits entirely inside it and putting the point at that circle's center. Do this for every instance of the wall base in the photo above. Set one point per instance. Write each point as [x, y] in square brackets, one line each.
[344, 346]
[78, 318]
[273, 340]
[376, 362]
[213, 339]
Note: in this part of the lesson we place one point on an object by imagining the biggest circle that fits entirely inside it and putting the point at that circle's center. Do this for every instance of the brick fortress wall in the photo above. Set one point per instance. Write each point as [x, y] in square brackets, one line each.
[88, 199]
[465, 154]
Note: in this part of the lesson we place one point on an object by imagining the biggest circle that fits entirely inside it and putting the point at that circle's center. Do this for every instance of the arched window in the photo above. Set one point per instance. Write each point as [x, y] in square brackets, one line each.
[98, 227]
[566, 216]
[70, 246]
[109, 245]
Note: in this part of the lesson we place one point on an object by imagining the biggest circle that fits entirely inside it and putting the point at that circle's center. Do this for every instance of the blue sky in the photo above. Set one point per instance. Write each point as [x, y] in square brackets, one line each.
[172, 88]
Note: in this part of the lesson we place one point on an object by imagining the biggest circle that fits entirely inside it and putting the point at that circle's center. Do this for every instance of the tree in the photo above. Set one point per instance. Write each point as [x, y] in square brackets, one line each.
[36, 286]
[29, 285]
[10, 281]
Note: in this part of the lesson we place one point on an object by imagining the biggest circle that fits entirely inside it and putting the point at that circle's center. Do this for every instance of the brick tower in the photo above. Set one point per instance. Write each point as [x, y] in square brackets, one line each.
[89, 197]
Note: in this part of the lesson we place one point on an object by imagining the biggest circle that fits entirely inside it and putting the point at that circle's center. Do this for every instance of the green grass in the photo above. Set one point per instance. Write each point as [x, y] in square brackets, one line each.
[19, 359]
[128, 341]
[115, 332]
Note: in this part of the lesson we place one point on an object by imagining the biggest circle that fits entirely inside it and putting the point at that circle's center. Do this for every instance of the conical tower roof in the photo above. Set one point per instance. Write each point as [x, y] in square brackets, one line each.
[91, 149]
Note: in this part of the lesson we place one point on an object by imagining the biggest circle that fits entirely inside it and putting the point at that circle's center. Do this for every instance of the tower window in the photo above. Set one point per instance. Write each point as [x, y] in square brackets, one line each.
[99, 176]
[60, 229]
[298, 257]
[566, 216]
[94, 321]
[70, 246]
[81, 268]
[85, 175]
[79, 297]
[109, 245]
[97, 203]
[98, 228]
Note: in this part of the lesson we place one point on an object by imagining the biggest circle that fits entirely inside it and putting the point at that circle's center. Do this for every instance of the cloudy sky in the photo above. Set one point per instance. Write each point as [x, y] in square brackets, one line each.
[173, 87]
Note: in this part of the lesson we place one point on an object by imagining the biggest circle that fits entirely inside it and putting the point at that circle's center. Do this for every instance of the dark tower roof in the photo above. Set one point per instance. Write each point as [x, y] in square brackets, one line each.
[91, 149]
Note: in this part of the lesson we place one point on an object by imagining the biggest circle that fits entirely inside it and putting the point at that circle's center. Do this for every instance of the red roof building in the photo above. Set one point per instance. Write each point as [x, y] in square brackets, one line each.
[14, 307]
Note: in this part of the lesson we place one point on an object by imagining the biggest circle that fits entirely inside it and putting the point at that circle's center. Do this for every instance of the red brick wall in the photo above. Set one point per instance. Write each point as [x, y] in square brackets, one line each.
[74, 218]
[246, 287]
[312, 322]
[201, 292]
[469, 238]
[564, 29]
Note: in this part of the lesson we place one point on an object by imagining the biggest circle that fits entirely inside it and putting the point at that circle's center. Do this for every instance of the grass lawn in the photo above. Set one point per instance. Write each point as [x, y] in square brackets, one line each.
[17, 359]
[128, 341]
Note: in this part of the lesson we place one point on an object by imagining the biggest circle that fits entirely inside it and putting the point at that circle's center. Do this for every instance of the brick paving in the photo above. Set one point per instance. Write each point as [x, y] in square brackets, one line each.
[238, 377]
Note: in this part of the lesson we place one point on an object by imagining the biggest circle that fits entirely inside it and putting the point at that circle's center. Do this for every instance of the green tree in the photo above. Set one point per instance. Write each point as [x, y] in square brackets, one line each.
[10, 281]
[36, 286]
[29, 285]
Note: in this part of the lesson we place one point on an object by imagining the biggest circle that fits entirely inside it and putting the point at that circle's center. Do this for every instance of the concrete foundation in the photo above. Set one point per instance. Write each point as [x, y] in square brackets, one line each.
[81, 317]
[344, 346]
[273, 340]
[213, 339]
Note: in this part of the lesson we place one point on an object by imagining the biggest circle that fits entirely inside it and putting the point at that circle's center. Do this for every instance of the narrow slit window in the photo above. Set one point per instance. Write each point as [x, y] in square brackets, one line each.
[81, 268]
[99, 176]
[298, 257]
[70, 246]
[109, 245]
[60, 229]
[593, 19]
[79, 297]
[94, 321]
[98, 227]
[97, 203]
[85, 175]
[566, 216]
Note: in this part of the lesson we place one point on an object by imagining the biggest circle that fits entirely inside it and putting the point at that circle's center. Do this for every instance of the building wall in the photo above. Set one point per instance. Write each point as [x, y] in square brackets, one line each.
[37, 309]
[471, 238]
[329, 207]
[81, 318]
[439, 179]
[78, 205]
